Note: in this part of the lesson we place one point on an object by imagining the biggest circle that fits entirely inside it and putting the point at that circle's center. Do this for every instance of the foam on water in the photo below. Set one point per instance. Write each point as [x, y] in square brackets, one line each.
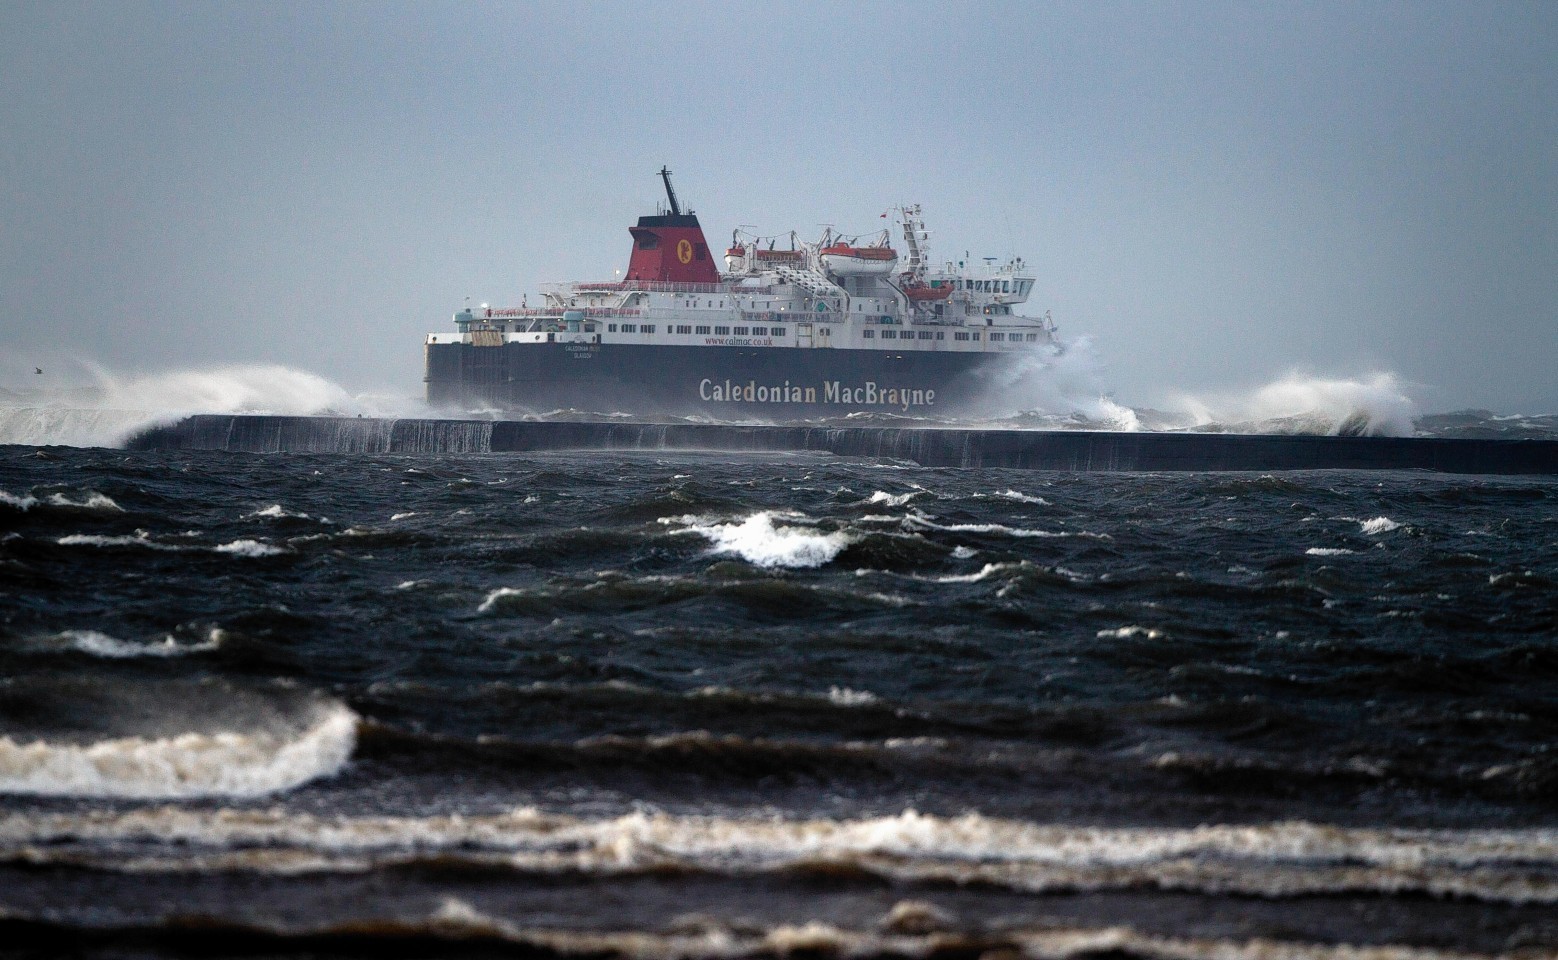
[100, 644]
[909, 929]
[249, 548]
[235, 763]
[1127, 632]
[845, 697]
[987, 571]
[242, 547]
[759, 541]
[90, 500]
[23, 503]
[274, 512]
[493, 599]
[1378, 525]
[1275, 860]
[919, 521]
[139, 539]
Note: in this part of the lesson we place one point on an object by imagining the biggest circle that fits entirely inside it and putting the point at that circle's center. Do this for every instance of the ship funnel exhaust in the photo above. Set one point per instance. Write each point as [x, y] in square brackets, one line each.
[669, 247]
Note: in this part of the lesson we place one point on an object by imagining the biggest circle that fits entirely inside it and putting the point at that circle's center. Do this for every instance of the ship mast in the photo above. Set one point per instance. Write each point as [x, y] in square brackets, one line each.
[665, 174]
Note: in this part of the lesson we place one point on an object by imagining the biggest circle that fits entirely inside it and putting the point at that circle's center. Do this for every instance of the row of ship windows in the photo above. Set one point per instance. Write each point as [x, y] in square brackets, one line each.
[938, 335]
[994, 286]
[909, 335]
[720, 305]
[699, 330]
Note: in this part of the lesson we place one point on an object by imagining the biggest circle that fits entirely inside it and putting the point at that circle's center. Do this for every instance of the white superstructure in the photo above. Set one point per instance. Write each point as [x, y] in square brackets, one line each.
[833, 293]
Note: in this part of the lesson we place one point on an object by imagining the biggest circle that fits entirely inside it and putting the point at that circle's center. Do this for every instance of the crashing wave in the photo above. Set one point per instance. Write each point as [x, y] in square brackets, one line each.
[760, 542]
[1296, 404]
[119, 407]
[246, 762]
[1269, 860]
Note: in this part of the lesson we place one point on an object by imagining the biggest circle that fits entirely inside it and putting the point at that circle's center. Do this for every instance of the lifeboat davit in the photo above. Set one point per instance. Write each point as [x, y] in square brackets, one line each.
[919, 292]
[843, 260]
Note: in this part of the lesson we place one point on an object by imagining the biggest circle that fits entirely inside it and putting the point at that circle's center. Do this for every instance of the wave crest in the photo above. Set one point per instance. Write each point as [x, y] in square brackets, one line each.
[232, 763]
[761, 543]
[100, 644]
[1289, 859]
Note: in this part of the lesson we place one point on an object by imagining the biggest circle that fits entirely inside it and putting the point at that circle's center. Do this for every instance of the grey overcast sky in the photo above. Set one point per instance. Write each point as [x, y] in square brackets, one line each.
[1216, 193]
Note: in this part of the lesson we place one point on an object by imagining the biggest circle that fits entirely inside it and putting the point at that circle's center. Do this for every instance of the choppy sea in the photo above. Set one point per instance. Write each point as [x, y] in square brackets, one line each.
[703, 705]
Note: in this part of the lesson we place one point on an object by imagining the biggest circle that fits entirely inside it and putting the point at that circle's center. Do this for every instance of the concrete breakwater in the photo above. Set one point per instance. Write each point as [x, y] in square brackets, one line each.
[1037, 450]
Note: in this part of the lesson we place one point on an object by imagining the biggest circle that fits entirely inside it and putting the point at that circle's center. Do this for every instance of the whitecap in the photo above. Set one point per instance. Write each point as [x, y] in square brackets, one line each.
[249, 548]
[494, 597]
[101, 644]
[93, 501]
[20, 503]
[236, 763]
[1127, 632]
[1378, 525]
[274, 512]
[759, 542]
[1021, 497]
[925, 523]
[139, 539]
[893, 499]
[989, 570]
[402, 516]
[1328, 551]
[845, 697]
[1275, 860]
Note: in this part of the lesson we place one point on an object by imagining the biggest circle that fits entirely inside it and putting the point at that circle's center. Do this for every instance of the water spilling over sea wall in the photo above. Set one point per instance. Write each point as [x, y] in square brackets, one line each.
[1039, 450]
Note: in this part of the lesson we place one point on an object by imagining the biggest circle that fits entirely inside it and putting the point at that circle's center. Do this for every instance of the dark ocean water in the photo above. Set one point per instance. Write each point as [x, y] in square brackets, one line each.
[712, 705]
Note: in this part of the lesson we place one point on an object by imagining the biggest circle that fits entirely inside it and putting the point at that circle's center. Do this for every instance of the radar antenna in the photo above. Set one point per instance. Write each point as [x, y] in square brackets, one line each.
[676, 209]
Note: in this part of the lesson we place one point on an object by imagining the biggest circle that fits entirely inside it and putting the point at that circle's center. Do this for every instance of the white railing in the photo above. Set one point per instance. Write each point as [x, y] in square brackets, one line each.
[653, 286]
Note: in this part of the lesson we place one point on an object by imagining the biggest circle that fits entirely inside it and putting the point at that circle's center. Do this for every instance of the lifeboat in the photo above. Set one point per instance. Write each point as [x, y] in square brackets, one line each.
[735, 257]
[920, 293]
[843, 260]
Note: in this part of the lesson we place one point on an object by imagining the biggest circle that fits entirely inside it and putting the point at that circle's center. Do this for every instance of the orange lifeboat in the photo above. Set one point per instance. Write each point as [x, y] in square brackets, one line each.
[919, 292]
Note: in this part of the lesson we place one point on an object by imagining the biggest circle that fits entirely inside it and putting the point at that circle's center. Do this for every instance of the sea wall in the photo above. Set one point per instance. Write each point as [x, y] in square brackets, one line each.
[1036, 450]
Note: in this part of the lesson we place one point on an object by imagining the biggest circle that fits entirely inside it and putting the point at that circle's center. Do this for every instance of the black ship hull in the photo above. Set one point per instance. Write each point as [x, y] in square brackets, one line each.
[728, 383]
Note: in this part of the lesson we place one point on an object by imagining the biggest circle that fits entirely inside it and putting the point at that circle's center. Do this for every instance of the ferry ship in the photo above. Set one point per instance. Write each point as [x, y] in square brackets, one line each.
[829, 328]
